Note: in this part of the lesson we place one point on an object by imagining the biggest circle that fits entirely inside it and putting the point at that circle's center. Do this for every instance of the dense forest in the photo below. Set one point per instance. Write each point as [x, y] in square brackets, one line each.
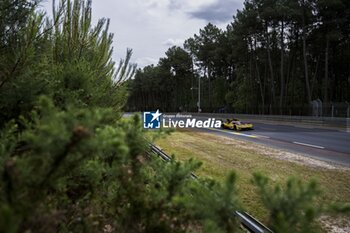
[275, 57]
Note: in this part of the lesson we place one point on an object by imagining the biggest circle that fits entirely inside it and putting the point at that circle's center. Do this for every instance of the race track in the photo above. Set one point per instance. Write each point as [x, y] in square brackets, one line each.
[324, 144]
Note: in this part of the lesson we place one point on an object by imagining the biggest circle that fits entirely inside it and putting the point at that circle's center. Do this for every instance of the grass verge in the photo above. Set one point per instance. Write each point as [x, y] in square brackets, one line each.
[221, 154]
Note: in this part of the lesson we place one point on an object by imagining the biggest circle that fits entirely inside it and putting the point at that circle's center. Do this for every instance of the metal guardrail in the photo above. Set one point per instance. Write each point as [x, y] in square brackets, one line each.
[166, 157]
[251, 224]
[247, 221]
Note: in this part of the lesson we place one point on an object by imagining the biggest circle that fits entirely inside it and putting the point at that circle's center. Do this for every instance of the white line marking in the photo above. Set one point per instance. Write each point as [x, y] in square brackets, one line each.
[261, 136]
[243, 134]
[310, 145]
[234, 133]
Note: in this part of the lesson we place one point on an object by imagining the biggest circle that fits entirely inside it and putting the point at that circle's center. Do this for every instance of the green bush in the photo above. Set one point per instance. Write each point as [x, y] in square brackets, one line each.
[80, 169]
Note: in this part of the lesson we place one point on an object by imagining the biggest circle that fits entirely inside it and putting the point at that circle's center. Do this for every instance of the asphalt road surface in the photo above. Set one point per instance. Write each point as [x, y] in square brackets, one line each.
[324, 144]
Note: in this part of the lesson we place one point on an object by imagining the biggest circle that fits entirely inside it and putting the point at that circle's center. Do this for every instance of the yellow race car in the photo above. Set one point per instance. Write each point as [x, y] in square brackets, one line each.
[236, 124]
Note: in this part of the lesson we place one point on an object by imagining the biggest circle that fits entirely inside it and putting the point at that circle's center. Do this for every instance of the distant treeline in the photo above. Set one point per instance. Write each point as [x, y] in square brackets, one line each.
[274, 57]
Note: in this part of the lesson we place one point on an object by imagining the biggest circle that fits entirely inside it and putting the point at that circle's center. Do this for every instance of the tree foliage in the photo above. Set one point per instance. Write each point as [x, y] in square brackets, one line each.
[283, 54]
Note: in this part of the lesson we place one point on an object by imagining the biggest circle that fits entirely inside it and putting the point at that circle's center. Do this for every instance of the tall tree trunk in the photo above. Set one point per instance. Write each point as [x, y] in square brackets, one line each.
[306, 73]
[272, 79]
[325, 99]
[192, 82]
[209, 86]
[288, 74]
[259, 78]
[282, 68]
[250, 83]
[315, 75]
